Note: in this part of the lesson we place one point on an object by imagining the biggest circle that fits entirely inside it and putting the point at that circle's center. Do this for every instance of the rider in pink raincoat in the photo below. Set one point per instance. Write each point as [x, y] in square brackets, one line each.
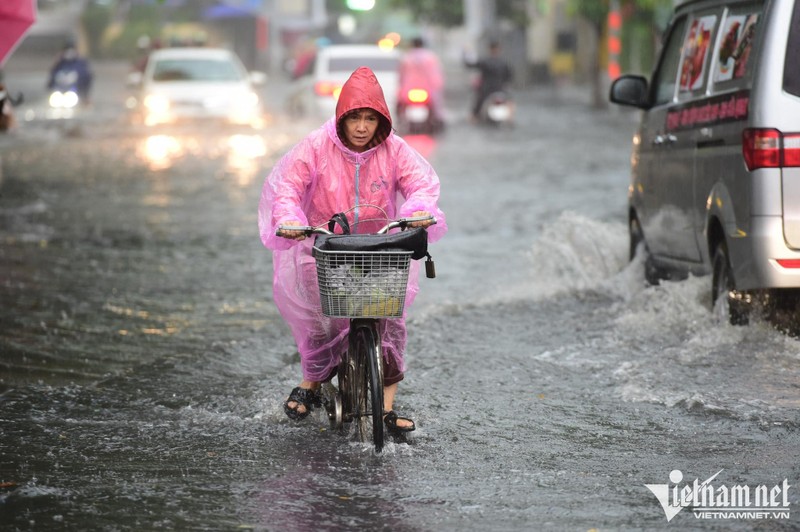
[350, 164]
[420, 68]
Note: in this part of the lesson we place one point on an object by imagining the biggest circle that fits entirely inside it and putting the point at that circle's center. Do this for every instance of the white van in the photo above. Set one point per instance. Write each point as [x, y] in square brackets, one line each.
[715, 182]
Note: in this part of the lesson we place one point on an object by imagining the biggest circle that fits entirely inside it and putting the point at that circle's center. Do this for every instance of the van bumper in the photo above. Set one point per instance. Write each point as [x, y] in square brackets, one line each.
[754, 256]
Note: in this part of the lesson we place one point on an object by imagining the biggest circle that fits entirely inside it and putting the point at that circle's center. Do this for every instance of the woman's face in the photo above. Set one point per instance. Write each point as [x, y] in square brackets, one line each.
[360, 127]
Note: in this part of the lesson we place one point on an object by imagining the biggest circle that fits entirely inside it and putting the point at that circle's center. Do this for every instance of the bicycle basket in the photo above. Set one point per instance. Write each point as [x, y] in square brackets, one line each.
[362, 284]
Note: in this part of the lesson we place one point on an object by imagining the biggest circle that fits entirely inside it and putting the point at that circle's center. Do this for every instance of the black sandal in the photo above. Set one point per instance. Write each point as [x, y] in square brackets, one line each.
[390, 419]
[302, 396]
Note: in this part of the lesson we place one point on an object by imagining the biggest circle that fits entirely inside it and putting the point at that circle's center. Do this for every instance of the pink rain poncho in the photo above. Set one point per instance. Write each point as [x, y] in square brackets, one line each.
[420, 68]
[321, 176]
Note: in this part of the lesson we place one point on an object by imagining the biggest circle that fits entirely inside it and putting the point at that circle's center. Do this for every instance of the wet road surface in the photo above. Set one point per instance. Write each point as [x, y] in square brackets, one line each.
[144, 364]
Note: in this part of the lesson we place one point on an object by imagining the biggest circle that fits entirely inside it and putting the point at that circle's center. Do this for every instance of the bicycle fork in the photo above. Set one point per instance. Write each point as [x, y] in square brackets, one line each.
[359, 398]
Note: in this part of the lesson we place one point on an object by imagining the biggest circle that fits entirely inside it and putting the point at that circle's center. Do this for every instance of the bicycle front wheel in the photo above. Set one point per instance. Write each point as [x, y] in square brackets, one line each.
[366, 393]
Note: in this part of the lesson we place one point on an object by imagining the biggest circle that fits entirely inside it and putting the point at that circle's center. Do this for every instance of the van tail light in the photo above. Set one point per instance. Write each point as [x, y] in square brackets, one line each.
[791, 149]
[417, 96]
[770, 148]
[789, 263]
[327, 88]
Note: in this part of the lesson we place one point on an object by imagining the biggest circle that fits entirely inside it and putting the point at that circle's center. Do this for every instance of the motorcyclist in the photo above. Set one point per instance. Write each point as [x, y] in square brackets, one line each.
[420, 68]
[495, 75]
[70, 60]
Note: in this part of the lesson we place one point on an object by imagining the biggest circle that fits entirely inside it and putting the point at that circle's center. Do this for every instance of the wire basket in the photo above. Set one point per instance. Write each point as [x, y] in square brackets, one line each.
[362, 284]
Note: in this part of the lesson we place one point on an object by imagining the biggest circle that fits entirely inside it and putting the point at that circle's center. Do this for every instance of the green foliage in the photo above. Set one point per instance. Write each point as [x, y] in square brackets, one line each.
[596, 11]
[448, 14]
[124, 45]
[451, 13]
[95, 20]
[143, 19]
[144, 14]
[515, 11]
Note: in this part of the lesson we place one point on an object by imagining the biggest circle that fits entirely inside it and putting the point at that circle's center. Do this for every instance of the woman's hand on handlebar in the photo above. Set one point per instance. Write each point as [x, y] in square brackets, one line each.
[287, 228]
[291, 234]
[422, 223]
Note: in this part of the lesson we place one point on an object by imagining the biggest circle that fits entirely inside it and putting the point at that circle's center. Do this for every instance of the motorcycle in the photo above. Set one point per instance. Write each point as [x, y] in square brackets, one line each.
[64, 94]
[416, 112]
[498, 109]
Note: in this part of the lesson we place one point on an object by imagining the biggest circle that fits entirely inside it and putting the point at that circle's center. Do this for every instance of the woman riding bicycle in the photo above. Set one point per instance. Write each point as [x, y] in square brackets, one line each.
[353, 163]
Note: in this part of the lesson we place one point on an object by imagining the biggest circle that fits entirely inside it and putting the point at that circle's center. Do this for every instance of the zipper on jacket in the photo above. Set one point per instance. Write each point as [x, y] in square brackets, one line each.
[355, 216]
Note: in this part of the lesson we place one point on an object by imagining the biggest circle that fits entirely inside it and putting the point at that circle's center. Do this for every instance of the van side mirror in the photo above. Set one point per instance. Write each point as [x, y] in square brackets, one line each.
[630, 90]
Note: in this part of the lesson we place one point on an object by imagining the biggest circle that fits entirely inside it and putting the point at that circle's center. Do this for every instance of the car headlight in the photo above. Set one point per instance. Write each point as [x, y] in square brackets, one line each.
[251, 99]
[246, 102]
[155, 103]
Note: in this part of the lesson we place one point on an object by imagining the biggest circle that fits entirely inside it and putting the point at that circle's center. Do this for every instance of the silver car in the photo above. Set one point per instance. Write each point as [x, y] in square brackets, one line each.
[715, 183]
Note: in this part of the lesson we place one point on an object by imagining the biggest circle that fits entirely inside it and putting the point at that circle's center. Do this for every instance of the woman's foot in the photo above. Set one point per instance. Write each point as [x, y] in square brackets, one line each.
[392, 421]
[302, 400]
[396, 424]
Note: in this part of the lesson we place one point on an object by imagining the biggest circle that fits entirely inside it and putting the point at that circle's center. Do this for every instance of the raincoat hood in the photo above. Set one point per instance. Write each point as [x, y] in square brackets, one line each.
[361, 91]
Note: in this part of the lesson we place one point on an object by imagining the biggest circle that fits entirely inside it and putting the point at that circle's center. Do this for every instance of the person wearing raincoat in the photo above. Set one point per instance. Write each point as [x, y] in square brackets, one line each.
[420, 68]
[354, 163]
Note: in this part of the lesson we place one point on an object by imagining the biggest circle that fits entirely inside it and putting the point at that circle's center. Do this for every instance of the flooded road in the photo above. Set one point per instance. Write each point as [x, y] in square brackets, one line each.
[144, 364]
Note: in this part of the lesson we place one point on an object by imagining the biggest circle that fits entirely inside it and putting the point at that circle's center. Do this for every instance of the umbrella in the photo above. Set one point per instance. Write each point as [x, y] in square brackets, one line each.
[16, 16]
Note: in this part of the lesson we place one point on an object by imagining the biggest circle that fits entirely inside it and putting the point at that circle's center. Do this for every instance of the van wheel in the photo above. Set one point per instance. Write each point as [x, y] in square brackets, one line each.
[724, 303]
[652, 273]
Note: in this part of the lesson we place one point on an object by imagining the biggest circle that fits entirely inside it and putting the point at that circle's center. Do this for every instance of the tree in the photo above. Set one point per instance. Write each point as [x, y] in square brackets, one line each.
[447, 14]
[595, 12]
[95, 20]
[451, 13]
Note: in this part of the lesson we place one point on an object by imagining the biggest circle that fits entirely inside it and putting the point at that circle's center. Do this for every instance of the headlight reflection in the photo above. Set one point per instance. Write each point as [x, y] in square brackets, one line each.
[160, 151]
[244, 151]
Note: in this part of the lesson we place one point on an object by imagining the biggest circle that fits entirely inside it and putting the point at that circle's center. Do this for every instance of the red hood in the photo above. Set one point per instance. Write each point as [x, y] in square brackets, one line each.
[360, 91]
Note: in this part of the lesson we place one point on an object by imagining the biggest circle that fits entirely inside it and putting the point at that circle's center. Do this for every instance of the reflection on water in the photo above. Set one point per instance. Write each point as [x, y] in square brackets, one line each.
[160, 151]
[242, 152]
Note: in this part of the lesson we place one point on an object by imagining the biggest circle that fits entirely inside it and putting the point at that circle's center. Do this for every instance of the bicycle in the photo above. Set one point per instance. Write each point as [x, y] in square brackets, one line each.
[366, 282]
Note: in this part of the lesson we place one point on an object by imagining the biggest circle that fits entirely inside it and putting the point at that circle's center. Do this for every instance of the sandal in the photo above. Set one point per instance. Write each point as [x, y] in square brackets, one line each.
[390, 419]
[303, 397]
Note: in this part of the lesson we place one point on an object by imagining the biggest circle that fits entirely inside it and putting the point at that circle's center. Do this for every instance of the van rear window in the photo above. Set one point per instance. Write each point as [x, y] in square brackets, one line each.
[791, 72]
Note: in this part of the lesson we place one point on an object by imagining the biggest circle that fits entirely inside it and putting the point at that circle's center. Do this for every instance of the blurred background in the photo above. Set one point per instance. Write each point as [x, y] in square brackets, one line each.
[546, 41]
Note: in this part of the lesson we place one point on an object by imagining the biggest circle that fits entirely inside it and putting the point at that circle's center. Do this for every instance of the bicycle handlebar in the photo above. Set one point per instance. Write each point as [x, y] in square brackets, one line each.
[308, 230]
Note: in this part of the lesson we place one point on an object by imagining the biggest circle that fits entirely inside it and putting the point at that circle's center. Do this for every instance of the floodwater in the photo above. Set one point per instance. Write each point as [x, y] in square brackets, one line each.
[144, 363]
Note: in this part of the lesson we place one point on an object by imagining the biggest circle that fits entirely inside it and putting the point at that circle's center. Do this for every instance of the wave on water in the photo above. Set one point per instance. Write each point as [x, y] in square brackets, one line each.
[663, 345]
[578, 253]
